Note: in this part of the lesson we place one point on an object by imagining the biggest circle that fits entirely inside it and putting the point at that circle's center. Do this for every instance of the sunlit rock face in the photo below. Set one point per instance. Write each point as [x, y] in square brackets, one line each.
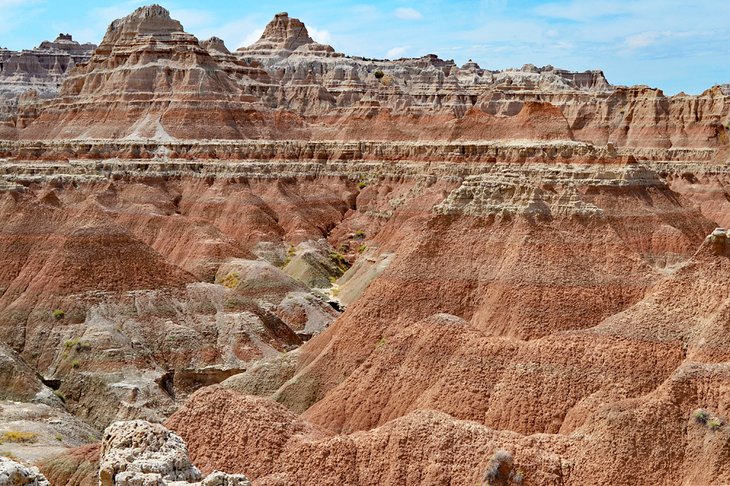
[322, 269]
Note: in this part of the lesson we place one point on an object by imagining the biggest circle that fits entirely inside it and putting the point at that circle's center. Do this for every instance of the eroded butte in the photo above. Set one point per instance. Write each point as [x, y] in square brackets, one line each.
[321, 269]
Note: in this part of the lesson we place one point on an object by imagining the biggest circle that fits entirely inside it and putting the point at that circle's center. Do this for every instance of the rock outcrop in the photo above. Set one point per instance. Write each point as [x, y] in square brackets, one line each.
[15, 474]
[287, 86]
[138, 452]
[322, 269]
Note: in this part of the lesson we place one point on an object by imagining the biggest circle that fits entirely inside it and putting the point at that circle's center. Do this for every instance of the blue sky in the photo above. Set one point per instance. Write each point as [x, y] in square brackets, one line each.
[670, 44]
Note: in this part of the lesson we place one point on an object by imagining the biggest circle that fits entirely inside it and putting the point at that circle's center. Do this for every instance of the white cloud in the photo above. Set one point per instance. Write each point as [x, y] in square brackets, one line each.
[644, 39]
[236, 33]
[397, 52]
[321, 36]
[193, 19]
[407, 13]
[252, 37]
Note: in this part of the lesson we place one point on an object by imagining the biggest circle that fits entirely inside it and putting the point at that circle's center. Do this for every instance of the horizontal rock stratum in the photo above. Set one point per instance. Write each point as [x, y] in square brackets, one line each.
[322, 269]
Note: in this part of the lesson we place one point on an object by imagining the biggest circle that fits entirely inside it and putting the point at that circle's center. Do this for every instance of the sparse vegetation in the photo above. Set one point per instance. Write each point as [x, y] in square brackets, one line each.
[231, 280]
[379, 74]
[291, 253]
[499, 469]
[714, 423]
[359, 234]
[362, 185]
[703, 417]
[60, 395]
[75, 364]
[77, 344]
[58, 314]
[17, 436]
[10, 456]
[339, 260]
[362, 249]
[59, 437]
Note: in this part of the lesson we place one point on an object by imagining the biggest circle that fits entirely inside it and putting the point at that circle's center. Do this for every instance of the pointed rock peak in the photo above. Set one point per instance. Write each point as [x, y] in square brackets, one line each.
[149, 20]
[286, 33]
[215, 44]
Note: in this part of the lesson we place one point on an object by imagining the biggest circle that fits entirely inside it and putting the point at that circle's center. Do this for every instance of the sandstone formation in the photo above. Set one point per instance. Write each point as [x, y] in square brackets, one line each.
[323, 269]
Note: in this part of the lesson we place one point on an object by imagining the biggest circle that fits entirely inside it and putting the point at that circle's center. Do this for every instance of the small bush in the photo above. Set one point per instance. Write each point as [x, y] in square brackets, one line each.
[701, 416]
[75, 364]
[359, 234]
[18, 437]
[60, 395]
[59, 437]
[362, 185]
[58, 314]
[339, 260]
[77, 344]
[499, 468]
[231, 280]
[714, 423]
[379, 74]
[362, 249]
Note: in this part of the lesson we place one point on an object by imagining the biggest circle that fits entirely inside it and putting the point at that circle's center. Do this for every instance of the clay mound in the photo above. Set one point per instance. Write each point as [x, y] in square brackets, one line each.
[251, 427]
[261, 439]
[88, 252]
[77, 467]
[659, 367]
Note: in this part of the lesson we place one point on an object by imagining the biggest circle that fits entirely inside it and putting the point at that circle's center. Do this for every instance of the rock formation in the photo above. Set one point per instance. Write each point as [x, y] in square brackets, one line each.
[322, 269]
[35, 74]
[15, 474]
[139, 452]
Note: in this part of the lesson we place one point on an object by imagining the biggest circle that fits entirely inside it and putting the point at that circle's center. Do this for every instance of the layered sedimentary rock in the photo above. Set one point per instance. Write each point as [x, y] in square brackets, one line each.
[150, 79]
[30, 76]
[334, 270]
[288, 86]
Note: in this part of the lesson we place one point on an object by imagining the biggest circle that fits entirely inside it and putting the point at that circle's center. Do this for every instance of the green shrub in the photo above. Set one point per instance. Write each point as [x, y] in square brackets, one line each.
[58, 314]
[362, 249]
[75, 364]
[77, 344]
[714, 423]
[379, 74]
[339, 260]
[359, 234]
[362, 185]
[701, 416]
[60, 395]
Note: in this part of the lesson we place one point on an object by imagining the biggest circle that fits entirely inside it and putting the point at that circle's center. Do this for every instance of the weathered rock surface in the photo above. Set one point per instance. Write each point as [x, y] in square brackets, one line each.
[537, 287]
[15, 474]
[287, 86]
[30, 76]
[138, 452]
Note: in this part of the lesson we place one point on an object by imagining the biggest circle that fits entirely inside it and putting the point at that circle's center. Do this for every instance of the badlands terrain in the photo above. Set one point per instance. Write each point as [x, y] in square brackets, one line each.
[281, 265]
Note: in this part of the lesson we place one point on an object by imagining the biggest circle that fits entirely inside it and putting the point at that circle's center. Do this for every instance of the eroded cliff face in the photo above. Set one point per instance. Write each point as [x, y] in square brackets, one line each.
[151, 80]
[440, 275]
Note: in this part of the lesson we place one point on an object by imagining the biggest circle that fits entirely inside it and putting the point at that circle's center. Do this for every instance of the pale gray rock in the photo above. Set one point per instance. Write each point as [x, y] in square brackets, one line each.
[16, 474]
[139, 453]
